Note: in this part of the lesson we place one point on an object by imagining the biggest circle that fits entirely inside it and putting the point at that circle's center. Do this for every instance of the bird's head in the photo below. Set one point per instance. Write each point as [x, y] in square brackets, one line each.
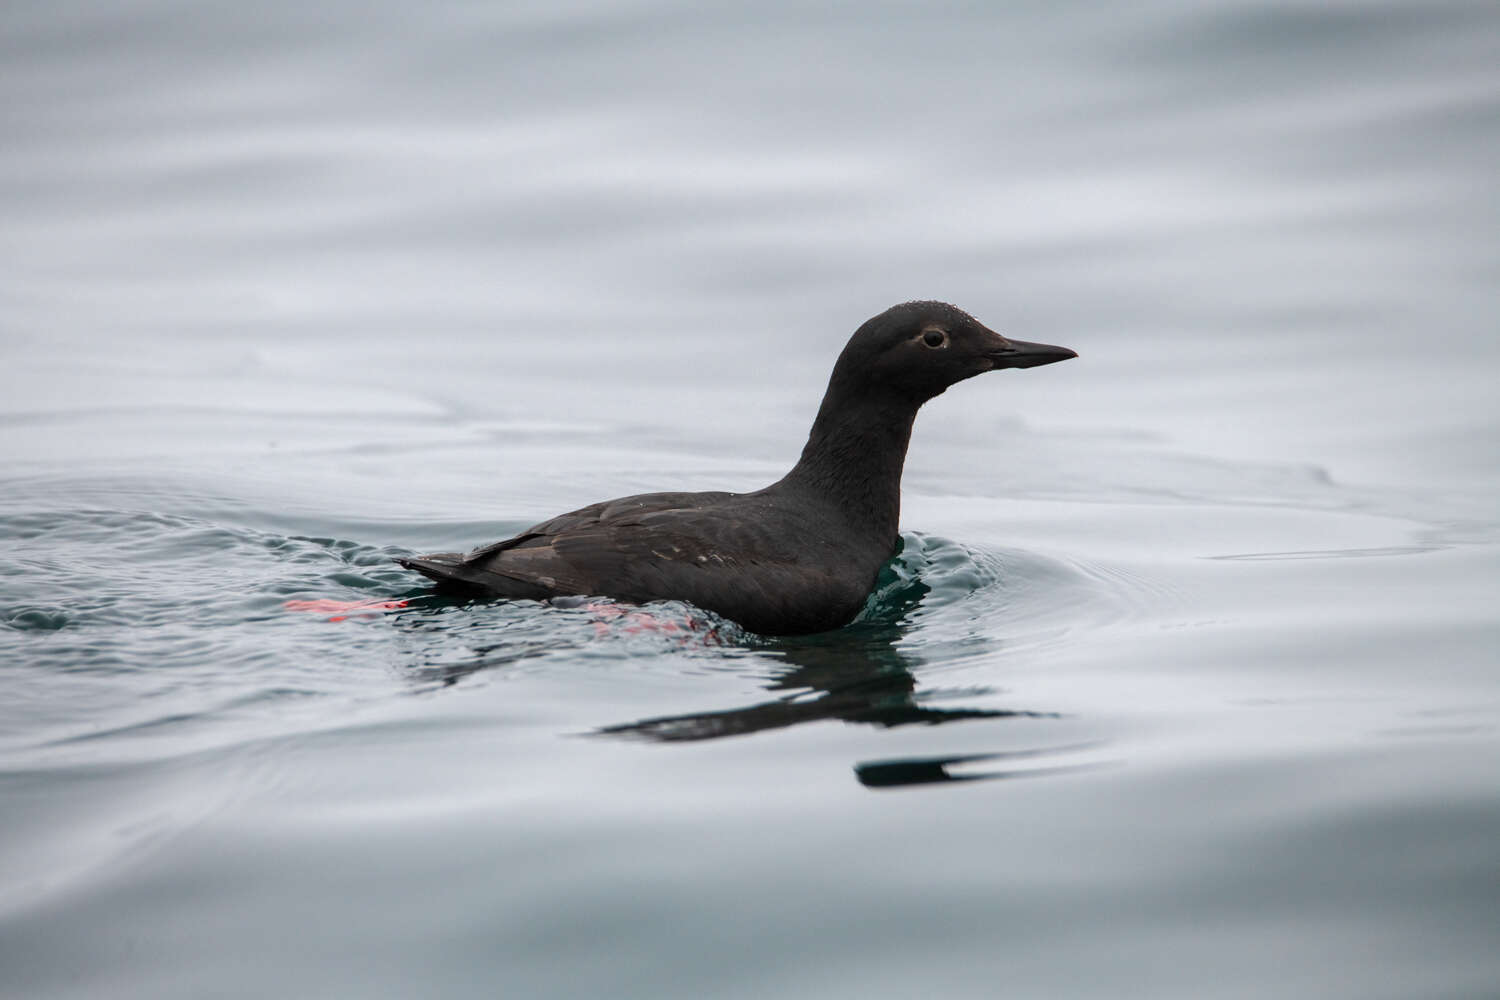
[918, 349]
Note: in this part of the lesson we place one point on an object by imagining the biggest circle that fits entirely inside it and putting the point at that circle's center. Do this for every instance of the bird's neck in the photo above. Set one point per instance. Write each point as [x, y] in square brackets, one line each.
[854, 457]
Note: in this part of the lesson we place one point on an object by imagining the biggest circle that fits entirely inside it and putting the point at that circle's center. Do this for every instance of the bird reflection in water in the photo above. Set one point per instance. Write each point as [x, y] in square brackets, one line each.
[863, 677]
[862, 673]
[858, 674]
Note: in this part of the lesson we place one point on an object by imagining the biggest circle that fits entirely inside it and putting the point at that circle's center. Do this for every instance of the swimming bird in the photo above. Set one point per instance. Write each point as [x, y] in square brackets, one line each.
[796, 557]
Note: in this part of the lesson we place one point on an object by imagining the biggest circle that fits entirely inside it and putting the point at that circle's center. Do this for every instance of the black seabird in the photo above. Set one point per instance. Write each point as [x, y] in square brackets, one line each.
[800, 555]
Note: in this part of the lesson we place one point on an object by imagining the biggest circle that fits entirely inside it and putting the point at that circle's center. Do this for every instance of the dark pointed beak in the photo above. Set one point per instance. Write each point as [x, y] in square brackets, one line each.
[1020, 354]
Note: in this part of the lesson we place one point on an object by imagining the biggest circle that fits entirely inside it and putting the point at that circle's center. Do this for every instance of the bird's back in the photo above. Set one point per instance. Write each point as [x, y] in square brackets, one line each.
[771, 561]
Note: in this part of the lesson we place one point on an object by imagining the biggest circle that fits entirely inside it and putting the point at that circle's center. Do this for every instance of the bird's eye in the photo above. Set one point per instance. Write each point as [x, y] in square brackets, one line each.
[934, 338]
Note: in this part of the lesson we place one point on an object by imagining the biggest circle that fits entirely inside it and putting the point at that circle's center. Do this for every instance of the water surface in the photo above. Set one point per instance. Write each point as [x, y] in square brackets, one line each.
[1183, 684]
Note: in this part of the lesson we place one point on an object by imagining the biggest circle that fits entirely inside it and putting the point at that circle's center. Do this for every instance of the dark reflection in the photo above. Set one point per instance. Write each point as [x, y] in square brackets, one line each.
[856, 675]
[902, 772]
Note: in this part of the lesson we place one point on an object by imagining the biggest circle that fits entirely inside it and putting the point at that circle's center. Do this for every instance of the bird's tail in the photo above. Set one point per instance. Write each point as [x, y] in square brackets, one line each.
[438, 565]
[447, 568]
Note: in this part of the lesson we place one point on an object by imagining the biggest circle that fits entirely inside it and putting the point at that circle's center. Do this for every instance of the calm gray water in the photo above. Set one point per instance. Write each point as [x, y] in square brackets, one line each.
[1184, 684]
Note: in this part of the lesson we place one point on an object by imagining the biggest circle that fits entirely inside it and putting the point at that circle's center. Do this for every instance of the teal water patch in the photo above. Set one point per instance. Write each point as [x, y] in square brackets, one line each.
[926, 568]
[25, 619]
[969, 591]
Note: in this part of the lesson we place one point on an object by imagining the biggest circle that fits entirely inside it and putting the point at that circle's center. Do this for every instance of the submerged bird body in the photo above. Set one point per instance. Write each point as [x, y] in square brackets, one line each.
[800, 555]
